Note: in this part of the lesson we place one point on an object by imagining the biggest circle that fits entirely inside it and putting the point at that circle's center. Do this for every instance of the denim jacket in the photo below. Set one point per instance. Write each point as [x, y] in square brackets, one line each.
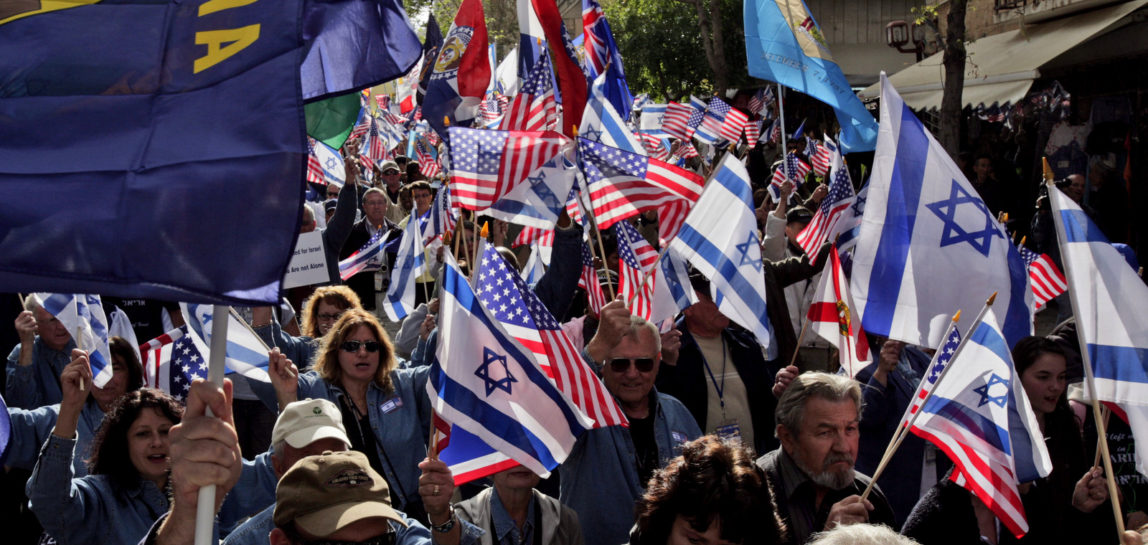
[37, 384]
[600, 477]
[399, 420]
[31, 428]
[300, 350]
[90, 509]
[256, 530]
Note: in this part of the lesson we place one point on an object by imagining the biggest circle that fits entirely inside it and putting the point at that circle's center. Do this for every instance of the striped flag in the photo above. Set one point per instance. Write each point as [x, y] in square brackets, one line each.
[171, 362]
[368, 258]
[775, 131]
[671, 216]
[654, 146]
[794, 167]
[442, 214]
[635, 259]
[760, 99]
[534, 109]
[589, 282]
[833, 317]
[825, 220]
[821, 155]
[940, 360]
[427, 158]
[687, 150]
[1045, 277]
[83, 317]
[677, 119]
[487, 164]
[505, 294]
[710, 128]
[753, 132]
[543, 236]
[314, 167]
[623, 184]
[733, 126]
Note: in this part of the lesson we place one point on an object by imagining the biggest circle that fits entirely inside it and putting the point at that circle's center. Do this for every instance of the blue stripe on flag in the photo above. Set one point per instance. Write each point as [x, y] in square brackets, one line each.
[971, 420]
[1122, 363]
[734, 184]
[904, 199]
[727, 270]
[1078, 228]
[497, 423]
[987, 336]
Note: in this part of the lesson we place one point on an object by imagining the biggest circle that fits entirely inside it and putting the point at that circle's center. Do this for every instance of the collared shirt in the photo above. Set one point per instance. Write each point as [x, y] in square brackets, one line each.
[505, 530]
[37, 384]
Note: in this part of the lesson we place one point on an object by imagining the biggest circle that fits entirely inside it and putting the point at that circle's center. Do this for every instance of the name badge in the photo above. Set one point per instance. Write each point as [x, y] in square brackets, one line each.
[391, 405]
[730, 432]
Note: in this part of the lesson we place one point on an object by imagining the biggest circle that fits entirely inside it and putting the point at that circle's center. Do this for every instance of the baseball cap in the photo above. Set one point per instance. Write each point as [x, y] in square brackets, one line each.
[304, 422]
[388, 165]
[325, 493]
[798, 213]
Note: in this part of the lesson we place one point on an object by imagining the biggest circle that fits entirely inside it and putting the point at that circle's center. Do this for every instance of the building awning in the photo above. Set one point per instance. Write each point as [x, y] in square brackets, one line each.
[1001, 68]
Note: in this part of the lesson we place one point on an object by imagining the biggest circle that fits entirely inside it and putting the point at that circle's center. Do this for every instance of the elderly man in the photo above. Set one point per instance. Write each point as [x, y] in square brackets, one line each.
[304, 428]
[608, 468]
[34, 365]
[391, 183]
[814, 482]
[366, 284]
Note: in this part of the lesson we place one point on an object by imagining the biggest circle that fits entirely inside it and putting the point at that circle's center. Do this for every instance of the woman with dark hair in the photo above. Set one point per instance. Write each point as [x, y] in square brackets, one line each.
[1063, 507]
[322, 309]
[385, 409]
[31, 428]
[713, 493]
[125, 491]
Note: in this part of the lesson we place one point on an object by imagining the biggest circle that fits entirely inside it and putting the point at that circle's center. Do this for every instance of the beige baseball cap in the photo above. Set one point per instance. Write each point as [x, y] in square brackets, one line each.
[326, 493]
[304, 422]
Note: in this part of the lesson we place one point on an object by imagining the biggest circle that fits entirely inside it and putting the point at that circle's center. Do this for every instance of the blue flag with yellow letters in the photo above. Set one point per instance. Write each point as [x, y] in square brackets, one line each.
[150, 148]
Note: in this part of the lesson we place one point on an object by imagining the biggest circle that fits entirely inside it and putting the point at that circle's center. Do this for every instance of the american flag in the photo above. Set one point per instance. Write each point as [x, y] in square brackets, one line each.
[589, 282]
[534, 109]
[314, 167]
[635, 258]
[676, 123]
[654, 146]
[824, 222]
[428, 163]
[442, 214]
[374, 146]
[939, 362]
[797, 170]
[1045, 277]
[171, 362]
[623, 184]
[528, 235]
[775, 131]
[362, 124]
[490, 111]
[671, 216]
[820, 155]
[368, 258]
[486, 164]
[760, 99]
[687, 150]
[505, 294]
[710, 128]
[735, 122]
[753, 132]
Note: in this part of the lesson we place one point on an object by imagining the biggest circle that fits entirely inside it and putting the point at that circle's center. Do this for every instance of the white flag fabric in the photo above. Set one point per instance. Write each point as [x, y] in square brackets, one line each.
[246, 353]
[410, 262]
[83, 316]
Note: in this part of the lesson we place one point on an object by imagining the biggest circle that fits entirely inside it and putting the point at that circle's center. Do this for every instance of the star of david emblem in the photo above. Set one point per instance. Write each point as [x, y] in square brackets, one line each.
[591, 134]
[946, 210]
[858, 205]
[747, 256]
[489, 359]
[986, 390]
[538, 184]
[332, 162]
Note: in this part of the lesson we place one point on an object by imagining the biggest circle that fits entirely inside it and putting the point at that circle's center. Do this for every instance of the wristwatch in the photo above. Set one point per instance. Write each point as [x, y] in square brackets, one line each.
[446, 526]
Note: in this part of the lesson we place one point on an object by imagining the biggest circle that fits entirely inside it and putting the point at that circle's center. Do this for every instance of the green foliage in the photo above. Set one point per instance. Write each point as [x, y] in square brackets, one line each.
[662, 48]
[501, 19]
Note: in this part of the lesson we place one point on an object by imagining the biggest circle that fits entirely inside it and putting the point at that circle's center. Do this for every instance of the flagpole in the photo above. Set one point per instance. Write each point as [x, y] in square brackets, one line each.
[205, 508]
[235, 313]
[592, 221]
[784, 136]
[1086, 360]
[899, 437]
[80, 344]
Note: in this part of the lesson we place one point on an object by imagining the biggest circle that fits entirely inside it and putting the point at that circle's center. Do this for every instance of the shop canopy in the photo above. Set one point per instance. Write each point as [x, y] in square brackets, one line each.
[1001, 68]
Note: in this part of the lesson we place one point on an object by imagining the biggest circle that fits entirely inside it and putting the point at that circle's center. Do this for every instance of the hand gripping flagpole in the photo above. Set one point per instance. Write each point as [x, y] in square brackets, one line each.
[1086, 360]
[899, 435]
[205, 507]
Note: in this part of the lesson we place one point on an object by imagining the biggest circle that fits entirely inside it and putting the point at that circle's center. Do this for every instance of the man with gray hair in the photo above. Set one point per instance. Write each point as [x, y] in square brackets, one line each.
[608, 468]
[816, 488]
[34, 365]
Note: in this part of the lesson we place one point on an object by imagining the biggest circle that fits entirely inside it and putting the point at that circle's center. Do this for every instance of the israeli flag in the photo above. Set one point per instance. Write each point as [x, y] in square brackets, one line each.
[540, 198]
[483, 381]
[334, 171]
[534, 269]
[602, 123]
[720, 239]
[83, 315]
[410, 262]
[651, 117]
[246, 353]
[673, 292]
[1109, 301]
[928, 245]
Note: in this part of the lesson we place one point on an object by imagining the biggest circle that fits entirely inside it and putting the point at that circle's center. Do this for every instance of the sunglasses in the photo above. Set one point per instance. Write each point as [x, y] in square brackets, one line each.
[620, 365]
[353, 346]
[324, 316]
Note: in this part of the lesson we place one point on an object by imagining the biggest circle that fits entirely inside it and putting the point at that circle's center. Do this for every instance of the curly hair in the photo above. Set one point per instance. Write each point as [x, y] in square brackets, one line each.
[711, 480]
[327, 357]
[123, 349]
[340, 297]
[110, 454]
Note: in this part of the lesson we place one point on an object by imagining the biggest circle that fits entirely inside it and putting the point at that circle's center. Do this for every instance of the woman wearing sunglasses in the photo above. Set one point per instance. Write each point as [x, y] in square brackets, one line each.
[385, 409]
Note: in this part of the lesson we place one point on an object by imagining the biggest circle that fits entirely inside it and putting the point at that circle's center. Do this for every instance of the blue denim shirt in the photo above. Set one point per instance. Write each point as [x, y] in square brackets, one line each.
[257, 528]
[600, 477]
[31, 428]
[506, 531]
[37, 384]
[254, 491]
[90, 509]
[300, 350]
[400, 421]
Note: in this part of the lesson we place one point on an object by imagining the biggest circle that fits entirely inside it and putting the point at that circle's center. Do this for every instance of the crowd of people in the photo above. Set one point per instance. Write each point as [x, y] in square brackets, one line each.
[723, 446]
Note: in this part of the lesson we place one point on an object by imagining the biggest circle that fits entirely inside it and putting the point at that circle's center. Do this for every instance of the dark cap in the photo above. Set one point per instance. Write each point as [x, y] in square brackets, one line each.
[800, 214]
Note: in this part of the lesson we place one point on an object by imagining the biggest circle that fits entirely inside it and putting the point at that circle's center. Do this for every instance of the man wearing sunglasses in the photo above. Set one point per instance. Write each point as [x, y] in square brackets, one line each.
[608, 468]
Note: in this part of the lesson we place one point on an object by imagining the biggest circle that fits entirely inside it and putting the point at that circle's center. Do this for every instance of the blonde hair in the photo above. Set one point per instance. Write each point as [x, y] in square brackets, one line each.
[340, 296]
[327, 357]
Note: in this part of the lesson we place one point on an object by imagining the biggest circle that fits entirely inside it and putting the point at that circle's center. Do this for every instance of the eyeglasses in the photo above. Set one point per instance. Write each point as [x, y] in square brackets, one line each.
[620, 365]
[353, 346]
[329, 316]
[390, 173]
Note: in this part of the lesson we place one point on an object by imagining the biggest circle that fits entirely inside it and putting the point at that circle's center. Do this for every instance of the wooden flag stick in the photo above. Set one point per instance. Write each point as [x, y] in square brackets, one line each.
[432, 452]
[801, 335]
[602, 247]
[895, 442]
[1104, 411]
[80, 345]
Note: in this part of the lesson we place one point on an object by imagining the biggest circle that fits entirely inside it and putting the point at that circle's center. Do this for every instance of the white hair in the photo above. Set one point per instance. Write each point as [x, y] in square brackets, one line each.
[636, 325]
[861, 534]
